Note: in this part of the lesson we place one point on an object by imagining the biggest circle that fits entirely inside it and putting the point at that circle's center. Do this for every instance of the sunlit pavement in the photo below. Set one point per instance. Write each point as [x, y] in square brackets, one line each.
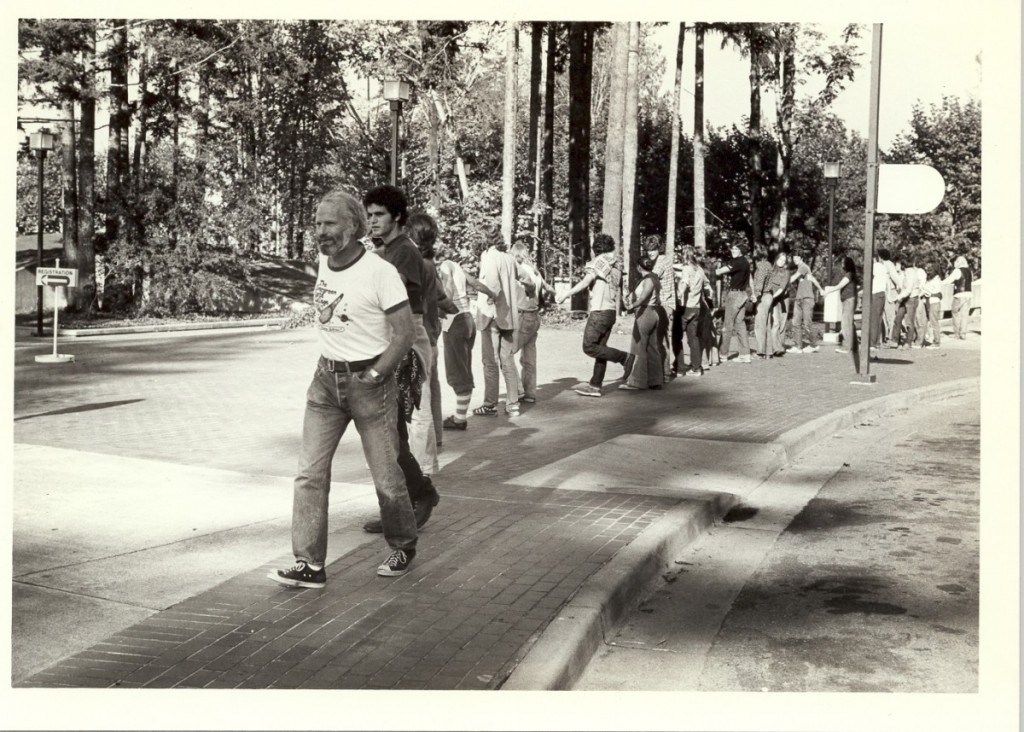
[175, 429]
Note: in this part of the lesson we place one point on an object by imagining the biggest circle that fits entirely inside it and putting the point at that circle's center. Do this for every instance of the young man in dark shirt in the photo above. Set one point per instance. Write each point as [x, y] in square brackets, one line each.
[735, 293]
[387, 211]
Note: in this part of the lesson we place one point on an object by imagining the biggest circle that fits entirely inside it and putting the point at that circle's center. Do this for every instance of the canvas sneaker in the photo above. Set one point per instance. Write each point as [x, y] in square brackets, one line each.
[587, 390]
[629, 387]
[396, 564]
[810, 349]
[301, 575]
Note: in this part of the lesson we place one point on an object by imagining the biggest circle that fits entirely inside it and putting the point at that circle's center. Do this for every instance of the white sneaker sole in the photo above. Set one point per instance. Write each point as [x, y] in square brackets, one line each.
[295, 583]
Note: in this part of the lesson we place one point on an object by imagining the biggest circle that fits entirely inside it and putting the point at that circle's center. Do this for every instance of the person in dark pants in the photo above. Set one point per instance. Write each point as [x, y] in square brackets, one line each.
[603, 277]
[387, 211]
[736, 293]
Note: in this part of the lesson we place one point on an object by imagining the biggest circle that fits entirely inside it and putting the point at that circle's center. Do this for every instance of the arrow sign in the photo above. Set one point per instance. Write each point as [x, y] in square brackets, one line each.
[57, 276]
[55, 280]
[909, 189]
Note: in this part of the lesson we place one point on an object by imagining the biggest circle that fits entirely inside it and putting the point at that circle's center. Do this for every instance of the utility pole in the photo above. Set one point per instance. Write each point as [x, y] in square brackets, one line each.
[866, 377]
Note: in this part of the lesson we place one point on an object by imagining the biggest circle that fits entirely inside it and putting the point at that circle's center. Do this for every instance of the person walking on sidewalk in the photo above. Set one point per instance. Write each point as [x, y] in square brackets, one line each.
[961, 280]
[736, 294]
[529, 287]
[648, 371]
[365, 329]
[603, 275]
[422, 229]
[692, 286]
[458, 333]
[803, 307]
[497, 321]
[770, 318]
[387, 211]
[848, 287]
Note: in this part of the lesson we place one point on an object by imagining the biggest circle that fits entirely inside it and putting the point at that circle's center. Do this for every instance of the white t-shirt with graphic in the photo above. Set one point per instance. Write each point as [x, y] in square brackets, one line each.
[355, 302]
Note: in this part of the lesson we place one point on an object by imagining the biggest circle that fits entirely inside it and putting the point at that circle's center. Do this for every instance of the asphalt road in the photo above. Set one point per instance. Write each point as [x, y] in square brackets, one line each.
[872, 586]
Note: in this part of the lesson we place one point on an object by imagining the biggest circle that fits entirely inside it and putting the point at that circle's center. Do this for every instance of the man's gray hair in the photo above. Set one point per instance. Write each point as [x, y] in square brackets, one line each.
[351, 208]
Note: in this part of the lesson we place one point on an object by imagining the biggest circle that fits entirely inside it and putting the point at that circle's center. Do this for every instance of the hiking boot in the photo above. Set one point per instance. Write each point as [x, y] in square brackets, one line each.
[627, 366]
[396, 564]
[588, 390]
[301, 575]
[450, 423]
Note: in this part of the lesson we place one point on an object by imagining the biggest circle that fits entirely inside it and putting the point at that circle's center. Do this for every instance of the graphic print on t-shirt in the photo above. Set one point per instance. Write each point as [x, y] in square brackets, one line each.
[332, 317]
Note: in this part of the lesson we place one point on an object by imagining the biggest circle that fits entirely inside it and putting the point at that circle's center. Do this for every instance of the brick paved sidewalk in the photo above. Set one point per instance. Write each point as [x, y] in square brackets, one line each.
[497, 560]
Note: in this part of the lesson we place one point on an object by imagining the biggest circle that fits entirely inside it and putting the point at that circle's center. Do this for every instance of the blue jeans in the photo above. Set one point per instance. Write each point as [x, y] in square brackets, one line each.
[526, 343]
[333, 400]
[735, 322]
[803, 318]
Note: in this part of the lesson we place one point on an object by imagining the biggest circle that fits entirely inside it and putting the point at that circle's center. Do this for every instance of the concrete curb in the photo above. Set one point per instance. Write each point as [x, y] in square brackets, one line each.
[169, 328]
[564, 648]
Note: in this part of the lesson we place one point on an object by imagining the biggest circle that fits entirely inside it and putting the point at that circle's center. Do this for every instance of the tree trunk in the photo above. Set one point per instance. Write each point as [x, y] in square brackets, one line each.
[83, 257]
[117, 131]
[533, 139]
[699, 214]
[754, 138]
[172, 234]
[547, 176]
[581, 49]
[611, 211]
[508, 159]
[787, 73]
[434, 151]
[630, 243]
[673, 162]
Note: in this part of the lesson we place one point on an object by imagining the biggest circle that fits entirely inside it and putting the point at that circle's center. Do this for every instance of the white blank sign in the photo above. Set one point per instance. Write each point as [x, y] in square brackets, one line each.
[909, 189]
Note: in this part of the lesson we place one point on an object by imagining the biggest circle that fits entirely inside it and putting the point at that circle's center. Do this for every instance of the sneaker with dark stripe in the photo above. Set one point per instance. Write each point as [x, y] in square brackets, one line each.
[301, 575]
[396, 564]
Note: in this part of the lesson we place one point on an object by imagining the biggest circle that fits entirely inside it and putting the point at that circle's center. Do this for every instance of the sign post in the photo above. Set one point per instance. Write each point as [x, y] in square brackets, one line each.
[56, 277]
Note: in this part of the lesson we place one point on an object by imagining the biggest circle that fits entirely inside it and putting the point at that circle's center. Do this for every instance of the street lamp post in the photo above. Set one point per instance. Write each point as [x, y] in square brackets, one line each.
[833, 171]
[41, 142]
[396, 92]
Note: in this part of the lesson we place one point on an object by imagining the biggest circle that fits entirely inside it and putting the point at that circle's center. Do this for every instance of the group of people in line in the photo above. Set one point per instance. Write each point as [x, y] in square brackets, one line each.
[387, 294]
[673, 300]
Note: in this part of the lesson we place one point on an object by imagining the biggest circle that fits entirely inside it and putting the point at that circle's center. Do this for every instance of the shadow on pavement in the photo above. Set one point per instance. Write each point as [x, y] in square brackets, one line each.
[79, 408]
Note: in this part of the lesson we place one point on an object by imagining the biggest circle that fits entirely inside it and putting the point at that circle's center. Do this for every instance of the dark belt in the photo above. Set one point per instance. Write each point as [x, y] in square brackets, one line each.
[350, 367]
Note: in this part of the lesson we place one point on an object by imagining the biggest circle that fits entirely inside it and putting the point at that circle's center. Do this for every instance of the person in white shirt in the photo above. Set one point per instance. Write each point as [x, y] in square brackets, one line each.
[497, 321]
[880, 282]
[365, 328]
[906, 302]
[931, 292]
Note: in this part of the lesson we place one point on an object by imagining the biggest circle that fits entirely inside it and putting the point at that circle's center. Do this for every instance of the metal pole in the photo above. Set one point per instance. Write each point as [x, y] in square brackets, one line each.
[831, 211]
[396, 110]
[39, 249]
[872, 199]
[56, 310]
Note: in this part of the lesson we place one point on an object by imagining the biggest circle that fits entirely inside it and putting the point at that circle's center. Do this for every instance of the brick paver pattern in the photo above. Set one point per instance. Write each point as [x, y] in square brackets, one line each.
[496, 562]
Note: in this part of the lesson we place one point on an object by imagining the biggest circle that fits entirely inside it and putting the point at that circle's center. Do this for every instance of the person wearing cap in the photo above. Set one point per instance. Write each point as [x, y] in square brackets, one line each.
[736, 286]
[603, 276]
[497, 322]
[648, 373]
[364, 329]
[961, 280]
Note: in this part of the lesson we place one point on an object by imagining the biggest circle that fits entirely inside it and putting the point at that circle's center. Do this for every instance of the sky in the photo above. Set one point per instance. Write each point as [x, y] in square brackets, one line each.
[920, 62]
